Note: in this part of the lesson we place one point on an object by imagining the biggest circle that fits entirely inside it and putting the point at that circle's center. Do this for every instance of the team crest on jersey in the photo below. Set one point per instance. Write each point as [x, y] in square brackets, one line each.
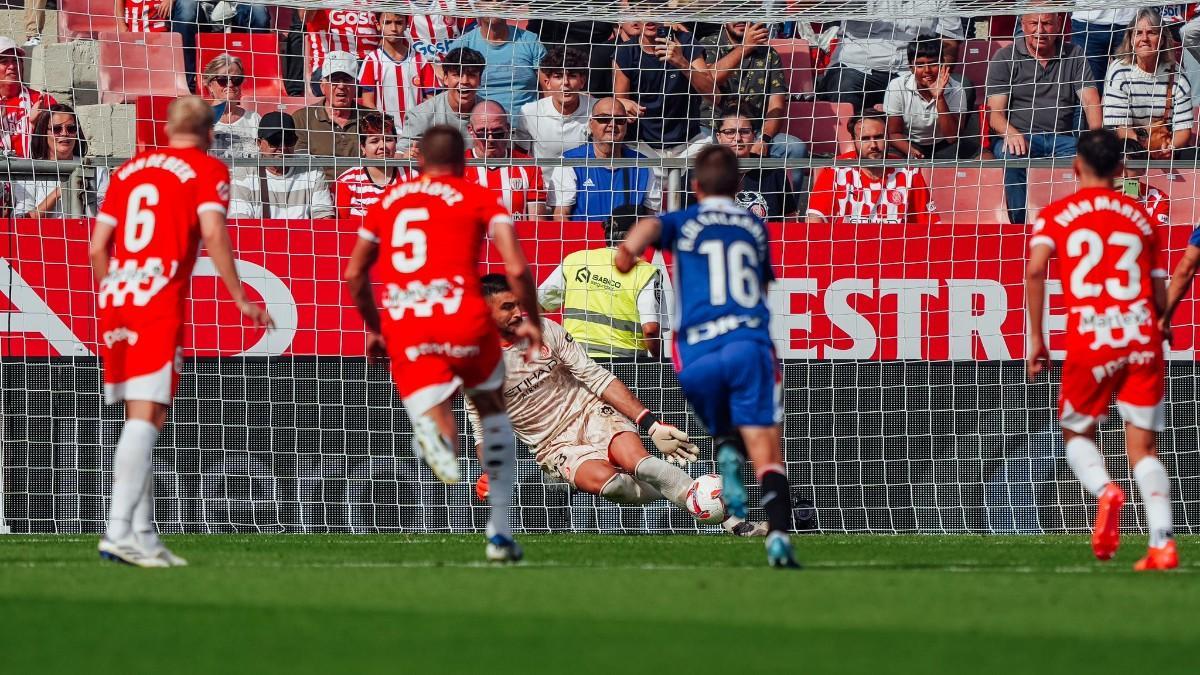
[518, 183]
[223, 190]
[607, 410]
[754, 202]
[895, 196]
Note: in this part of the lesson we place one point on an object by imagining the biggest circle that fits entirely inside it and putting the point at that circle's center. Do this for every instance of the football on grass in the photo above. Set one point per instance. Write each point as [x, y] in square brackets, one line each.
[704, 499]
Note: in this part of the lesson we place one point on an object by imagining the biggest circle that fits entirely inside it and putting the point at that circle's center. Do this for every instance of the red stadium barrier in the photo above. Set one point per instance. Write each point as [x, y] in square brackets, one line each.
[949, 291]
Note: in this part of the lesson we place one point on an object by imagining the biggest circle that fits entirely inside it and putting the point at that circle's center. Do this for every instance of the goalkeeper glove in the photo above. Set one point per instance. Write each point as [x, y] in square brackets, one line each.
[675, 445]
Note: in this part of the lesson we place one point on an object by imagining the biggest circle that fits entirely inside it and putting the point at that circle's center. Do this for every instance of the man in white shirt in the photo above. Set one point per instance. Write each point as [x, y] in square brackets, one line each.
[925, 107]
[556, 123]
[871, 53]
[276, 192]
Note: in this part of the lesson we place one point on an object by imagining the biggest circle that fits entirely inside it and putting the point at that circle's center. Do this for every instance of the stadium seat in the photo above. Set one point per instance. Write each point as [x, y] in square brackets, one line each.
[1047, 185]
[822, 125]
[259, 53]
[85, 19]
[797, 63]
[150, 129]
[963, 195]
[976, 56]
[140, 64]
[1181, 187]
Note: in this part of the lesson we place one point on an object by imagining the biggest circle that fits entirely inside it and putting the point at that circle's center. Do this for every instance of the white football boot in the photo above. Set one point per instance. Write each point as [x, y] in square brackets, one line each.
[744, 528]
[151, 542]
[130, 551]
[431, 446]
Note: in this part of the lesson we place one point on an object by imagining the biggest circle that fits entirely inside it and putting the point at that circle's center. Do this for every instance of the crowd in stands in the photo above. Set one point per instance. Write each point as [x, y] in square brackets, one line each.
[644, 90]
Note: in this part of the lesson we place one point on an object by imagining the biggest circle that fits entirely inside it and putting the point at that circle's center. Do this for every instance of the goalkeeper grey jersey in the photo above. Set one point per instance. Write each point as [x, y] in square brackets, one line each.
[548, 394]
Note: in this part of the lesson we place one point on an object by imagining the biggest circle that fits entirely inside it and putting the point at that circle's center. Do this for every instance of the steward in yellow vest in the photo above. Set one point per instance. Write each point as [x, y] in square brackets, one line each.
[610, 314]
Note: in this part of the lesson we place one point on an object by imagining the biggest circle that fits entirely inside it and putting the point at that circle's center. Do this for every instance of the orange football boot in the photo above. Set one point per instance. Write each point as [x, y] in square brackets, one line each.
[1106, 534]
[1165, 557]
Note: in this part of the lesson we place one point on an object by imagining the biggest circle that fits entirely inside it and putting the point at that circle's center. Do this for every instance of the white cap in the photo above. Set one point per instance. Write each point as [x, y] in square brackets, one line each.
[7, 45]
[335, 62]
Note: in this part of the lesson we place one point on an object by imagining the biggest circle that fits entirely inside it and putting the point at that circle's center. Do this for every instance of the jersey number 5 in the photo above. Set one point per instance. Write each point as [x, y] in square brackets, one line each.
[1089, 248]
[403, 237]
[732, 272]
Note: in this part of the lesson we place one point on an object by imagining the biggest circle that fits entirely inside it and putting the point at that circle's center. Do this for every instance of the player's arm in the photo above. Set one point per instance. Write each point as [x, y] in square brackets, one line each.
[1181, 280]
[504, 237]
[98, 248]
[358, 280]
[220, 250]
[1037, 356]
[645, 232]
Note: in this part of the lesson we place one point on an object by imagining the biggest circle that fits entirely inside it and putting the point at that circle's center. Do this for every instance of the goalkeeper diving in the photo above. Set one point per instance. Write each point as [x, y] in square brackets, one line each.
[576, 417]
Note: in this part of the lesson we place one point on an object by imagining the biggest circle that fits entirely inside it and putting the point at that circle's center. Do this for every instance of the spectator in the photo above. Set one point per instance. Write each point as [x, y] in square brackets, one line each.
[143, 16]
[235, 133]
[1148, 98]
[511, 56]
[461, 71]
[185, 20]
[870, 54]
[1036, 88]
[362, 186]
[663, 71]
[277, 192]
[520, 188]
[395, 78]
[329, 128]
[35, 21]
[751, 81]
[609, 313]
[593, 192]
[1097, 33]
[870, 194]
[926, 107]
[559, 121]
[593, 39]
[431, 34]
[21, 104]
[56, 135]
[765, 192]
[332, 31]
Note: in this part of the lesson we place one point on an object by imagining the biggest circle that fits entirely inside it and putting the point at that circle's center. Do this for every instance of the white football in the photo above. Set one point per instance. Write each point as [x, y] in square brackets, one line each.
[704, 499]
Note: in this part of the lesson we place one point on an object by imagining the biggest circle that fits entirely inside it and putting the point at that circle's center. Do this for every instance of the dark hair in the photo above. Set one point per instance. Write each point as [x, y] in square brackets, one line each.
[716, 171]
[1100, 150]
[463, 58]
[563, 59]
[866, 114]
[443, 146]
[375, 124]
[379, 15]
[39, 142]
[491, 284]
[622, 220]
[924, 48]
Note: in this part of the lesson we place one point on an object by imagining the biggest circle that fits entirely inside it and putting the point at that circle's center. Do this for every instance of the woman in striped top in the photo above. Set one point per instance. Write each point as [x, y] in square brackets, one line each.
[1135, 93]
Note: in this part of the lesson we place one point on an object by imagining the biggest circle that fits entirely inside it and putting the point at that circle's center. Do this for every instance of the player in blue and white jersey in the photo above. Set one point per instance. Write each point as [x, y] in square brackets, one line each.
[1181, 280]
[722, 348]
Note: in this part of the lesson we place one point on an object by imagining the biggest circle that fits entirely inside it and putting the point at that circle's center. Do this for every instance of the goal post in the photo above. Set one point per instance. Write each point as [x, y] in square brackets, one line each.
[898, 309]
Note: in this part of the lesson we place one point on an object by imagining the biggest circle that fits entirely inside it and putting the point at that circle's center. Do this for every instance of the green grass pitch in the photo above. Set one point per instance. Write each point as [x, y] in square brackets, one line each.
[598, 604]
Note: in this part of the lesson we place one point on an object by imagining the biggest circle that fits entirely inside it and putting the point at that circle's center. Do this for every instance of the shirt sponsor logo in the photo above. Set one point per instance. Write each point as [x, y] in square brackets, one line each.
[1111, 368]
[1103, 325]
[533, 381]
[586, 276]
[720, 326]
[454, 351]
[127, 281]
[121, 334]
[421, 298]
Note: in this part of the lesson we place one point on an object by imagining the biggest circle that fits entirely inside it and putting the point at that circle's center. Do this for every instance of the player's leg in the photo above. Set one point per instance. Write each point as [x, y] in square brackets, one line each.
[1083, 403]
[132, 469]
[703, 381]
[1141, 404]
[497, 453]
[599, 477]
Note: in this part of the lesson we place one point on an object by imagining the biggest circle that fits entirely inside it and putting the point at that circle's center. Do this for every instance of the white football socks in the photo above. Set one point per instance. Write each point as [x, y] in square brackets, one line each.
[499, 460]
[672, 481]
[131, 466]
[1088, 464]
[625, 489]
[1155, 488]
[143, 513]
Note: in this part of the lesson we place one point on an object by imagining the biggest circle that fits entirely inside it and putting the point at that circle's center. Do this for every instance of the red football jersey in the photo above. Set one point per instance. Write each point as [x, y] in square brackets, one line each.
[430, 232]
[1157, 204]
[138, 17]
[154, 201]
[516, 186]
[340, 30]
[1109, 256]
[846, 194]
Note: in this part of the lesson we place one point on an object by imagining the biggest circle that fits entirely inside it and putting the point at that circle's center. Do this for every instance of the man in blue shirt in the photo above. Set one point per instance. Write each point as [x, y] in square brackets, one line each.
[593, 192]
[723, 350]
[510, 77]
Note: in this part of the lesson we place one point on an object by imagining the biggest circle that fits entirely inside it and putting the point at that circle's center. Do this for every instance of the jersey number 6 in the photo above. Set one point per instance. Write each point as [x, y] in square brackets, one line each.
[139, 221]
[403, 237]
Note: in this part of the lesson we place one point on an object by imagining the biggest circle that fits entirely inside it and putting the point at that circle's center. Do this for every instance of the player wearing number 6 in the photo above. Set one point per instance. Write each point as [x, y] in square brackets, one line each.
[723, 350]
[436, 326]
[159, 206]
[1114, 291]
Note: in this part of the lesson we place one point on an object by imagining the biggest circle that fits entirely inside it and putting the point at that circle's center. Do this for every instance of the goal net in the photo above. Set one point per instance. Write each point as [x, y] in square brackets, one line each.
[899, 242]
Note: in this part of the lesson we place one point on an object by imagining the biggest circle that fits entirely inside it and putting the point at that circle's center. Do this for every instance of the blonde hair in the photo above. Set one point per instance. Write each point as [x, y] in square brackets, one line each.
[189, 115]
[222, 63]
[1166, 41]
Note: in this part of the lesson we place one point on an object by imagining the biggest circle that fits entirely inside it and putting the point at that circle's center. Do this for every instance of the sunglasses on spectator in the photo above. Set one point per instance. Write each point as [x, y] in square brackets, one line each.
[229, 80]
[65, 129]
[498, 132]
[743, 131]
[605, 120]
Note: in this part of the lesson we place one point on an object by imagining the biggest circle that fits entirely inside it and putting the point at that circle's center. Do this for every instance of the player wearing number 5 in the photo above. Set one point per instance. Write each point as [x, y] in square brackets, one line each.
[723, 351]
[160, 204]
[426, 236]
[1113, 288]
